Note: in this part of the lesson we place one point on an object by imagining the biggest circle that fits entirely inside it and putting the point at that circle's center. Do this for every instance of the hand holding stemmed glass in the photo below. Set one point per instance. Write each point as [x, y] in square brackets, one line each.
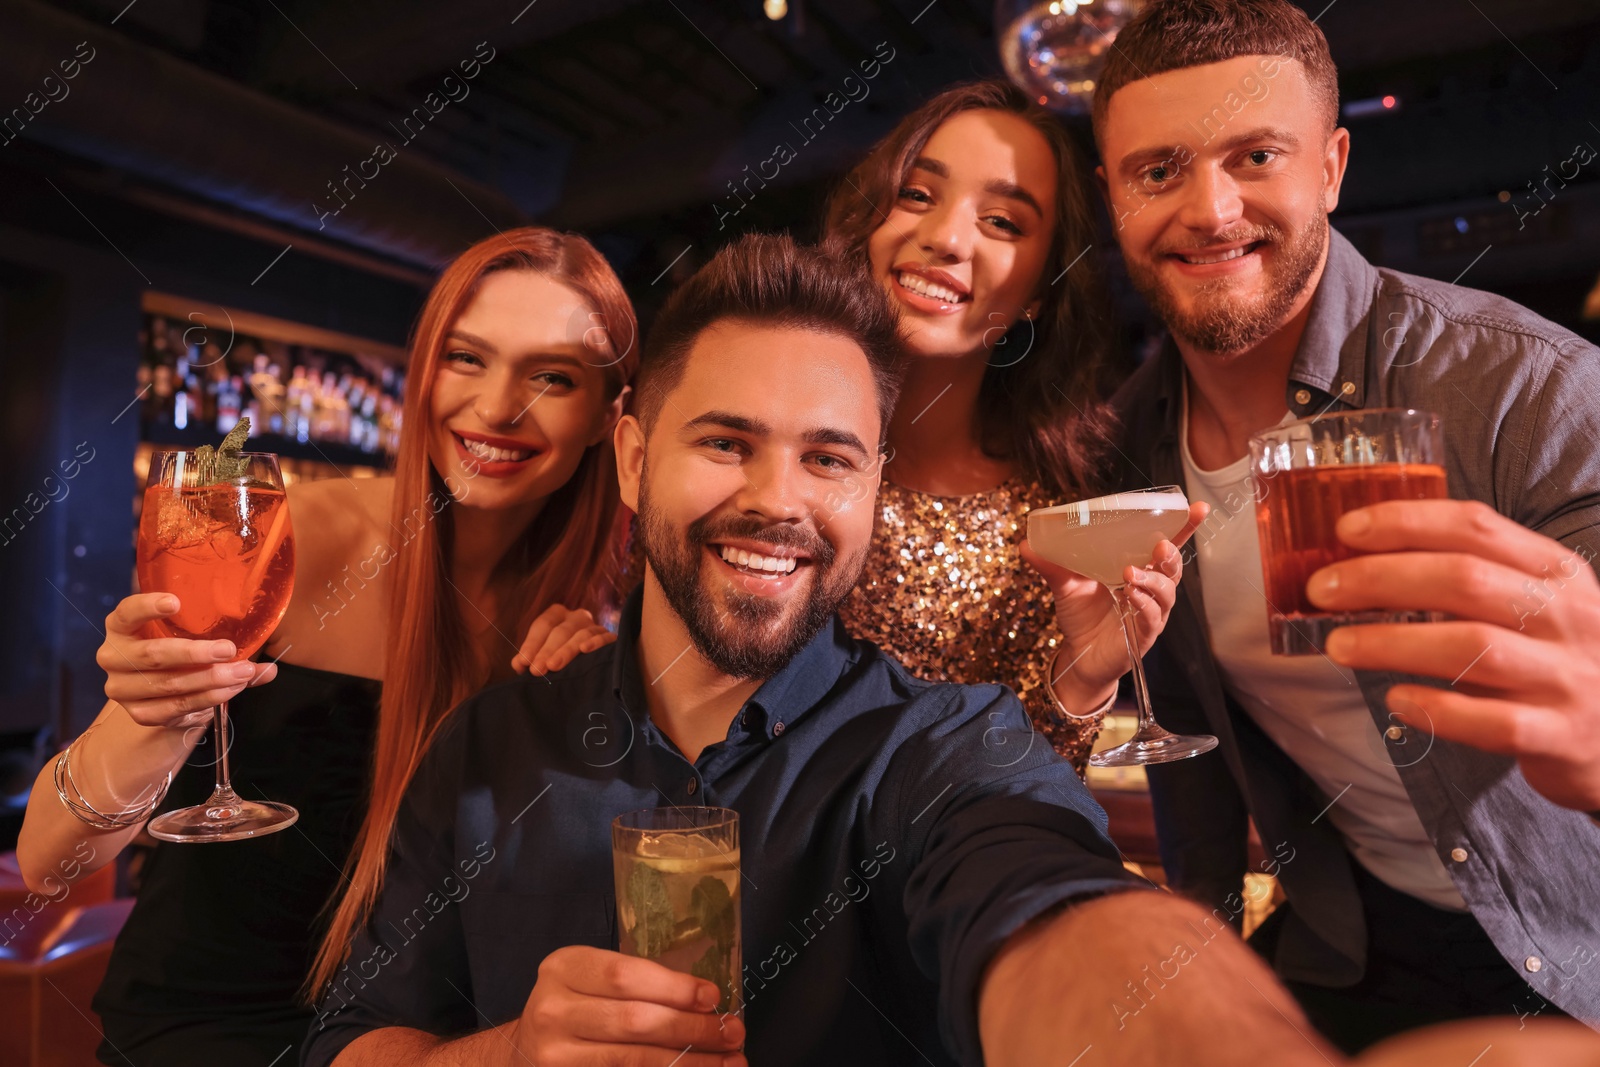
[215, 533]
[1088, 547]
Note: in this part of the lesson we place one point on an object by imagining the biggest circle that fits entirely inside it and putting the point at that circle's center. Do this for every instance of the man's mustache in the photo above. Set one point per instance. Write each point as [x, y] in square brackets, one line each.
[708, 529]
[1252, 234]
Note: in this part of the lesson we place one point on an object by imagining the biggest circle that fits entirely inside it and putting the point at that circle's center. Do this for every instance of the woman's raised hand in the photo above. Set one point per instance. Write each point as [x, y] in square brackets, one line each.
[1094, 653]
[169, 681]
[557, 637]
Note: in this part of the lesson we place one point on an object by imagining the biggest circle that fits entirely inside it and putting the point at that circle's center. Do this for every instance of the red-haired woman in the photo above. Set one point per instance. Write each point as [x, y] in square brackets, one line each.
[409, 591]
[975, 215]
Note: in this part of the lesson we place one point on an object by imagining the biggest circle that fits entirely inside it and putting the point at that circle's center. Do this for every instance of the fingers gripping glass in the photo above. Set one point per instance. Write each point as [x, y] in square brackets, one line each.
[1100, 539]
[225, 549]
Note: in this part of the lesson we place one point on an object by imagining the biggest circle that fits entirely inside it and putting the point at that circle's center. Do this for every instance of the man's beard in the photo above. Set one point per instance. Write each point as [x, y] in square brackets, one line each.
[1220, 322]
[739, 641]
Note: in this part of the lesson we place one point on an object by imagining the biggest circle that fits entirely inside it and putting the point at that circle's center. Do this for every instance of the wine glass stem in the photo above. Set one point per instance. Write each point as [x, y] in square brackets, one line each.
[1141, 688]
[219, 725]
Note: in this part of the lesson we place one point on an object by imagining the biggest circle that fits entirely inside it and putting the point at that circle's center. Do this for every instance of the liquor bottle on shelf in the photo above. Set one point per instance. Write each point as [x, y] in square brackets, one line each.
[322, 413]
[337, 392]
[296, 414]
[181, 410]
[267, 393]
[358, 426]
[274, 399]
[389, 423]
[228, 403]
[369, 422]
[196, 386]
[311, 406]
[252, 404]
[211, 392]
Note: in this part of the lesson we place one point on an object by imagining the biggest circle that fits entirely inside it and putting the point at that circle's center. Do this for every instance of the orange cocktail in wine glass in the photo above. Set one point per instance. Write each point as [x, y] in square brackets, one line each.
[224, 547]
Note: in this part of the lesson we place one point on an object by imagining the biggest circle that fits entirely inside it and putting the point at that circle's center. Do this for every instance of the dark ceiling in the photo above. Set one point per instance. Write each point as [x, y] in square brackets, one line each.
[628, 119]
[597, 112]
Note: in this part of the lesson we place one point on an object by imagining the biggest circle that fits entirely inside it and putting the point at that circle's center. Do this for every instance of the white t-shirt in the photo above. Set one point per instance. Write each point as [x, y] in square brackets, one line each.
[1311, 707]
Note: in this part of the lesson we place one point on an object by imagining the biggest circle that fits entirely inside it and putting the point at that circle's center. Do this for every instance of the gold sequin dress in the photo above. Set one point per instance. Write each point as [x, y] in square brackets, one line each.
[946, 593]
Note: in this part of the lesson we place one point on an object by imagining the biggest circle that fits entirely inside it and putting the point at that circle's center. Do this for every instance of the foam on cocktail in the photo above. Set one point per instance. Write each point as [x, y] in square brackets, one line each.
[1100, 538]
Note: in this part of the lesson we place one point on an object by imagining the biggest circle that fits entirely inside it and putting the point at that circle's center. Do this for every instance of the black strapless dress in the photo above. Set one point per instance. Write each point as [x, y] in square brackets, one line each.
[206, 971]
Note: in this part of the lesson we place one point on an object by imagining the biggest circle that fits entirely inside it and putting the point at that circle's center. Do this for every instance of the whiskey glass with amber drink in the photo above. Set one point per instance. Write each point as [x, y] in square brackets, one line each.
[1305, 475]
[215, 533]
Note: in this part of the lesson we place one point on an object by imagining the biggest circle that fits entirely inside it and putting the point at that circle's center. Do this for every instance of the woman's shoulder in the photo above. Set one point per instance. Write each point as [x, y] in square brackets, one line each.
[341, 506]
[337, 519]
[339, 524]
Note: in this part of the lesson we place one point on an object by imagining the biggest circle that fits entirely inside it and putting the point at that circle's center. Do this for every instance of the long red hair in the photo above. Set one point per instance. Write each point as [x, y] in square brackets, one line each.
[566, 556]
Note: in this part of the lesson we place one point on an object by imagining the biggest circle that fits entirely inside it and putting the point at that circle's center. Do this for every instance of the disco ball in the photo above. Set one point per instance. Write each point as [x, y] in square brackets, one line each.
[1055, 50]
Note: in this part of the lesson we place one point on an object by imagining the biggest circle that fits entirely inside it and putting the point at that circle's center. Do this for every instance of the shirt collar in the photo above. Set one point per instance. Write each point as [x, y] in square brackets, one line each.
[1332, 357]
[780, 701]
[1330, 363]
[803, 682]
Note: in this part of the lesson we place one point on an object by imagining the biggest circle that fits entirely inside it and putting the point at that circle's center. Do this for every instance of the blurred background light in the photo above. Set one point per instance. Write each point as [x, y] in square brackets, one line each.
[1056, 49]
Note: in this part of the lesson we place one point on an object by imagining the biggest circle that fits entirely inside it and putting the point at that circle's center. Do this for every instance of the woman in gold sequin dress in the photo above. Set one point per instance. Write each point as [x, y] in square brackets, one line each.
[974, 215]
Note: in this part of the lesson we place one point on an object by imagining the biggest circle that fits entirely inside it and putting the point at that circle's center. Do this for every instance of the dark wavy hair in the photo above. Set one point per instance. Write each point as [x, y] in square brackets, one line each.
[771, 280]
[1043, 411]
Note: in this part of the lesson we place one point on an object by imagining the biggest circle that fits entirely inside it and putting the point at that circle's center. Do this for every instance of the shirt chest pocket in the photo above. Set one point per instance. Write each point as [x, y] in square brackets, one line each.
[512, 933]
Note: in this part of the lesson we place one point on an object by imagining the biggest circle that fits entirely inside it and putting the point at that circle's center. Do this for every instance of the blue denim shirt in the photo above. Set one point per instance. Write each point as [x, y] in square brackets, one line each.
[1520, 402]
[894, 833]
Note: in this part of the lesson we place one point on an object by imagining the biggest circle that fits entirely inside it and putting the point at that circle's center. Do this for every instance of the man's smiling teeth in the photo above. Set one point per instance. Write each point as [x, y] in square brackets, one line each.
[932, 290]
[755, 562]
[1219, 258]
[491, 454]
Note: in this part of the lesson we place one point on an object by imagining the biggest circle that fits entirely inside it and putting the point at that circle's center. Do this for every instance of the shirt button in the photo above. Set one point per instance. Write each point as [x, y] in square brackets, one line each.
[1395, 733]
[693, 785]
[1459, 855]
[777, 729]
[1347, 388]
[1302, 396]
[1533, 963]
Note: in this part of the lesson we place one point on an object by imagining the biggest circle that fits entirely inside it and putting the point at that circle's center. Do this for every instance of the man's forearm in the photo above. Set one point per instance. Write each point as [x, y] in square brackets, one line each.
[399, 1046]
[1138, 976]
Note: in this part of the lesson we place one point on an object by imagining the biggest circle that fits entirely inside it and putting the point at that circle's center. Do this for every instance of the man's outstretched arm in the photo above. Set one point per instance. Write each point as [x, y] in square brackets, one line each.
[1129, 979]
[415, 1048]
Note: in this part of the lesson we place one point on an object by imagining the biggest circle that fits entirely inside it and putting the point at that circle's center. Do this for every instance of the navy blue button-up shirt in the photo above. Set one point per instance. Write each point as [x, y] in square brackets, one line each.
[894, 833]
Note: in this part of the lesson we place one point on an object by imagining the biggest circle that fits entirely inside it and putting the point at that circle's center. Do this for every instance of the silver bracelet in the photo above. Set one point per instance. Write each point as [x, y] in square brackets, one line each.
[87, 813]
[1061, 709]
